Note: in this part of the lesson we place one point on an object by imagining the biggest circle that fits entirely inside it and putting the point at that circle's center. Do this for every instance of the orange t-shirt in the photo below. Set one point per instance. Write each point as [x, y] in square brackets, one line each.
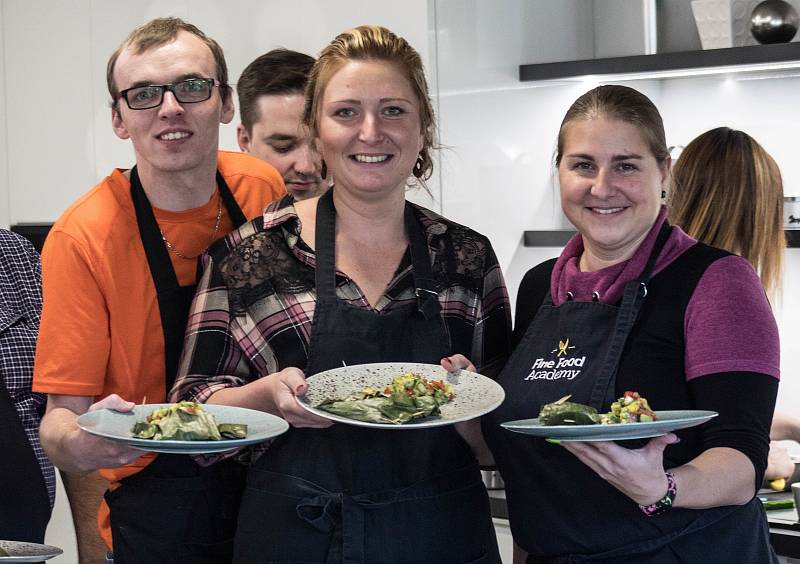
[100, 332]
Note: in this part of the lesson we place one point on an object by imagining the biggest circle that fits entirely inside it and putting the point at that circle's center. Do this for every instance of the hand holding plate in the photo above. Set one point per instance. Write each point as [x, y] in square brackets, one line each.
[284, 386]
[637, 473]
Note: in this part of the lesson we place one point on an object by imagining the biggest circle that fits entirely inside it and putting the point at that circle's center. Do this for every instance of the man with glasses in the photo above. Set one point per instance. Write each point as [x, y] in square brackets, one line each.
[119, 271]
[271, 104]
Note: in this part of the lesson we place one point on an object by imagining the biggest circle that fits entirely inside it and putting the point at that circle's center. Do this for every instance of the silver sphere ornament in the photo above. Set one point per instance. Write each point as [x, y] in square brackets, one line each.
[774, 21]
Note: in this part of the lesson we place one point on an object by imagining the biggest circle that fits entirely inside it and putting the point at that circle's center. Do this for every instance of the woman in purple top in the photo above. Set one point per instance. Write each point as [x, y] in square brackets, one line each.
[633, 303]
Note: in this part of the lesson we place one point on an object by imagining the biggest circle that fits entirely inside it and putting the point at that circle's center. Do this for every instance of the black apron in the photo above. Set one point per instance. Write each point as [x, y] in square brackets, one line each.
[359, 495]
[174, 508]
[575, 348]
[24, 504]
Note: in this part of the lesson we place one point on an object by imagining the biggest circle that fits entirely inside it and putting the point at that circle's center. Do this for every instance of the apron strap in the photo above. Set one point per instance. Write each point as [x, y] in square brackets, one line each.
[425, 287]
[325, 251]
[632, 299]
[173, 300]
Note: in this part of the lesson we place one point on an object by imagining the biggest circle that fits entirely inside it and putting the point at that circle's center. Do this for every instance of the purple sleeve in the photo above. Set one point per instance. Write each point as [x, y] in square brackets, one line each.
[729, 326]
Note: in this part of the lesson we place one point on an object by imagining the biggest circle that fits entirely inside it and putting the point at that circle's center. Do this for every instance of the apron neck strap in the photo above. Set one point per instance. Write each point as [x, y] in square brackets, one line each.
[173, 299]
[661, 240]
[325, 272]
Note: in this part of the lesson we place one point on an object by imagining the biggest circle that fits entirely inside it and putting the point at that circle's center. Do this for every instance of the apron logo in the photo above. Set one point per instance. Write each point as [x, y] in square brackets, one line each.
[563, 347]
[563, 366]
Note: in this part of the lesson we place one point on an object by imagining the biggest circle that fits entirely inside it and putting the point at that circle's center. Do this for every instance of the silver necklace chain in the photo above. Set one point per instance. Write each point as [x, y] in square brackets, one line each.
[213, 235]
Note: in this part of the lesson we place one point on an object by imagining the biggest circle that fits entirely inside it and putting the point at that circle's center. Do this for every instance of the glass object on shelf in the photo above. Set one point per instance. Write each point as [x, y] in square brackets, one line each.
[774, 21]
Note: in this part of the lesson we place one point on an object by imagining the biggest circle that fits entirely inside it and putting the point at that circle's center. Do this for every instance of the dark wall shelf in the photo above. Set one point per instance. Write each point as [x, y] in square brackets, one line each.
[33, 232]
[683, 60]
[558, 238]
[546, 238]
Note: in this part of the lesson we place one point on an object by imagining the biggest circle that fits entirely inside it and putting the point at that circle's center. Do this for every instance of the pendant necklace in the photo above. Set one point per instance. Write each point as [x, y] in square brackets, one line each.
[172, 248]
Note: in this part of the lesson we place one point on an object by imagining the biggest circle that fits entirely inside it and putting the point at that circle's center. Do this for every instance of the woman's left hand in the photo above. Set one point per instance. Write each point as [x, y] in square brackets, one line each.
[637, 473]
[457, 362]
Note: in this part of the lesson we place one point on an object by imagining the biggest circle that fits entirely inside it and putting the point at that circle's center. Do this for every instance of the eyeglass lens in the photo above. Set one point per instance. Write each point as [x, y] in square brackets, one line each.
[187, 91]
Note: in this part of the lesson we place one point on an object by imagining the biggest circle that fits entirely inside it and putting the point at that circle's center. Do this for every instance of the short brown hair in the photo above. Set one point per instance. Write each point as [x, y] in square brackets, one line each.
[619, 103]
[161, 31]
[726, 191]
[279, 71]
[374, 43]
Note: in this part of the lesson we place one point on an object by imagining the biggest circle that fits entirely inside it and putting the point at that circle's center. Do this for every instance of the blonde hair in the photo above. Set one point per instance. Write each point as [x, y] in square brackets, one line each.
[726, 191]
[374, 43]
[156, 33]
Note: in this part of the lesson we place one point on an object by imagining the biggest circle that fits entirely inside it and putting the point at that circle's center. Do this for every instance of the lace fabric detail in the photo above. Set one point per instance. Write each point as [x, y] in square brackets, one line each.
[460, 257]
[265, 262]
[260, 266]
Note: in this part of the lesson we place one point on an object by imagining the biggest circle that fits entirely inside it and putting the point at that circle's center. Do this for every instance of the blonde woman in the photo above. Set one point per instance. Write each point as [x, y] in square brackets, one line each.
[726, 191]
[357, 275]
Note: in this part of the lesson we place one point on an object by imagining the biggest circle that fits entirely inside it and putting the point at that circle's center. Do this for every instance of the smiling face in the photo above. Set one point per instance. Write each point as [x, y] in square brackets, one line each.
[173, 137]
[280, 138]
[369, 127]
[610, 186]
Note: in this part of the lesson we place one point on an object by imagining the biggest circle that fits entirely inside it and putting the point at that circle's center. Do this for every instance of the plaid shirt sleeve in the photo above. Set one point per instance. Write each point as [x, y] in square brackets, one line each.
[20, 312]
[492, 339]
[212, 358]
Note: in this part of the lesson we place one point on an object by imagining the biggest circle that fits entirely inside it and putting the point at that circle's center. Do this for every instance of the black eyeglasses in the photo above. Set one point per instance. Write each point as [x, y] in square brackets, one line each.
[150, 96]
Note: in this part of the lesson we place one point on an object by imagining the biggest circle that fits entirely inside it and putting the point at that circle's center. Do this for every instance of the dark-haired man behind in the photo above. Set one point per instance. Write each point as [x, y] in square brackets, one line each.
[271, 105]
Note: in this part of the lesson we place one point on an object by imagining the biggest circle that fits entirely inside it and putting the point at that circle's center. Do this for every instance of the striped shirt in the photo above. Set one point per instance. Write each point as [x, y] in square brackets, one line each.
[20, 312]
[255, 301]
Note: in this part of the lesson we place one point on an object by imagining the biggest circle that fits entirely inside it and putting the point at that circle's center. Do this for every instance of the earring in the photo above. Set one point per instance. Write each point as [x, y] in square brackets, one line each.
[323, 169]
[663, 194]
[417, 170]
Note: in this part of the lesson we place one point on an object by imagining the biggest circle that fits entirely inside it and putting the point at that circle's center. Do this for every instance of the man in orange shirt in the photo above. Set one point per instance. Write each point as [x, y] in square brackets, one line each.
[119, 270]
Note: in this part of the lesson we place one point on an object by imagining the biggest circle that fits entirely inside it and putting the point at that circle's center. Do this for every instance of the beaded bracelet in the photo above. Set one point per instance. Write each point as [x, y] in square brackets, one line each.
[665, 503]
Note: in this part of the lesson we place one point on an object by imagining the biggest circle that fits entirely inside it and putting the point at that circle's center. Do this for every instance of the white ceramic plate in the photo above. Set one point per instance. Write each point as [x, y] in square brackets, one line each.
[474, 394]
[666, 422]
[117, 426]
[27, 551]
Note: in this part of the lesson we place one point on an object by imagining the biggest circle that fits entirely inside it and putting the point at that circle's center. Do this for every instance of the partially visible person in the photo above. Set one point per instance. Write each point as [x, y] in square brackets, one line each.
[785, 427]
[633, 303]
[27, 476]
[271, 102]
[119, 269]
[726, 191]
[355, 276]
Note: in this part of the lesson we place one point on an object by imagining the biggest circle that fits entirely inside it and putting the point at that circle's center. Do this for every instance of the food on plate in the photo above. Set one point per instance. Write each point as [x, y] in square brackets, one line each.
[186, 421]
[410, 396]
[630, 408]
[563, 412]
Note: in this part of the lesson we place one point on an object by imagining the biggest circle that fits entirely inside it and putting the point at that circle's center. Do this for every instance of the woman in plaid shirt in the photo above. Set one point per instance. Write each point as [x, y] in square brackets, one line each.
[358, 275]
[25, 470]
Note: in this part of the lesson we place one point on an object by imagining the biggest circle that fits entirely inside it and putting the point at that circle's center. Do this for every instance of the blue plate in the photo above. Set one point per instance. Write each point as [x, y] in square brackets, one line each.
[667, 421]
[117, 426]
